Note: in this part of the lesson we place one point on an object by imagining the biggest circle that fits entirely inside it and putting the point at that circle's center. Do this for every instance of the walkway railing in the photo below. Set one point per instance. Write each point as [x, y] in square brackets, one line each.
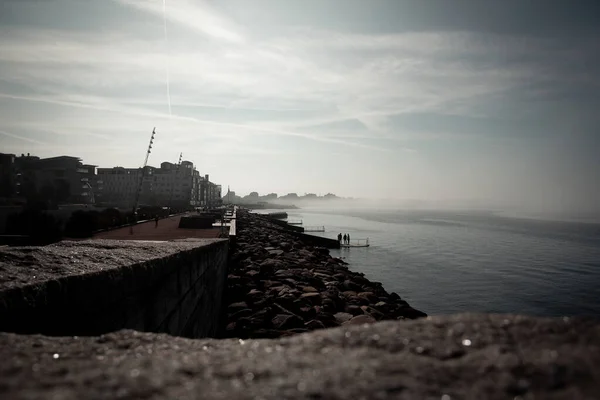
[358, 242]
[295, 222]
[314, 229]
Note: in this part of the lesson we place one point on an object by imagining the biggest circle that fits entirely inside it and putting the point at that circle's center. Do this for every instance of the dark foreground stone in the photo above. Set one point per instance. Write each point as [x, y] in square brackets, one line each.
[454, 357]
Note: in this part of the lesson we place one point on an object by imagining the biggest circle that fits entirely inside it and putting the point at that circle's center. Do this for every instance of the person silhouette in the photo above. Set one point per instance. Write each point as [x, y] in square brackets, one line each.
[348, 238]
[345, 238]
[340, 237]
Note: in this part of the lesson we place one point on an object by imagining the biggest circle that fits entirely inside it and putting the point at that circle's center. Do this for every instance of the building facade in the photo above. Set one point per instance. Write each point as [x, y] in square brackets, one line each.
[65, 179]
[171, 185]
[56, 180]
[7, 175]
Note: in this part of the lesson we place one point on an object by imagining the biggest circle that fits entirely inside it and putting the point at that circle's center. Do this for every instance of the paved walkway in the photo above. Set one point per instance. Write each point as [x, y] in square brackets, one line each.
[167, 229]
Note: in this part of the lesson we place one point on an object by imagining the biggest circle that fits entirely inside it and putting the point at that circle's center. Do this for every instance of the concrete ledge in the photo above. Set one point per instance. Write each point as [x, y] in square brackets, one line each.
[93, 287]
[284, 224]
[454, 357]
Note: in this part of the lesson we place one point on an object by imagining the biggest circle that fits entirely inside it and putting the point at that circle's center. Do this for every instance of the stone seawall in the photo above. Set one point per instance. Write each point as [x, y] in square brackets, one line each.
[279, 285]
[95, 287]
[448, 358]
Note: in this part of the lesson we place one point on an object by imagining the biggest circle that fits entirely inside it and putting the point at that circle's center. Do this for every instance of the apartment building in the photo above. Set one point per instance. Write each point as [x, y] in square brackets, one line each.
[171, 185]
[58, 180]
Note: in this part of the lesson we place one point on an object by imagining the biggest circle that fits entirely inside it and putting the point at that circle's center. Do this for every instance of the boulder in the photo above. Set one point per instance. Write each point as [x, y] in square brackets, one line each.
[314, 298]
[314, 324]
[360, 319]
[342, 317]
[286, 322]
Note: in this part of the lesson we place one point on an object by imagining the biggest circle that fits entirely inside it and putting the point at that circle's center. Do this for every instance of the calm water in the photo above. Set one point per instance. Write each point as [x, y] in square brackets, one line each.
[448, 262]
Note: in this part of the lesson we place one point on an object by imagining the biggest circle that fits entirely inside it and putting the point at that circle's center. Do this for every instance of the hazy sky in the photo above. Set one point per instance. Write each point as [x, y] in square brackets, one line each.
[494, 101]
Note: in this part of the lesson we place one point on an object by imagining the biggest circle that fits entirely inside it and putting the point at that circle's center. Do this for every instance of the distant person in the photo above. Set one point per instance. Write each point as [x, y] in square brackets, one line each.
[348, 238]
[340, 237]
[156, 221]
[345, 238]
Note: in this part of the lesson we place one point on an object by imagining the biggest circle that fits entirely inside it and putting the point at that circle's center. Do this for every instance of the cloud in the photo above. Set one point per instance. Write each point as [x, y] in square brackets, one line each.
[198, 16]
[23, 138]
[116, 79]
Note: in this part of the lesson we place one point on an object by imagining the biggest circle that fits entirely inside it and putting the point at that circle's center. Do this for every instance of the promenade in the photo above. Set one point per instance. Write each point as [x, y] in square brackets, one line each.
[167, 229]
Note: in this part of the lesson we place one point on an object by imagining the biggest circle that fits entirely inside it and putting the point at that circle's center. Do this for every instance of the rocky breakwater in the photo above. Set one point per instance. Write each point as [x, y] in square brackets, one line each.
[278, 286]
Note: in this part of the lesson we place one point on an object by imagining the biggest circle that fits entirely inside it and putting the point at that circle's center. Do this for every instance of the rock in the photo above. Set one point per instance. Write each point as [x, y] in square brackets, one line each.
[314, 324]
[276, 252]
[373, 312]
[268, 266]
[307, 312]
[322, 276]
[394, 296]
[411, 313]
[359, 320]
[349, 285]
[252, 273]
[353, 309]
[322, 250]
[255, 293]
[286, 322]
[294, 331]
[268, 283]
[314, 298]
[328, 305]
[361, 301]
[309, 289]
[342, 317]
[369, 296]
[241, 313]
[230, 327]
[327, 319]
[237, 306]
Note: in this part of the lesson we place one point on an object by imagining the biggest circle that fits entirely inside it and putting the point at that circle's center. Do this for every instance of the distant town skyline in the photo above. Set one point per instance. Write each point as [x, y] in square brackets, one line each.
[493, 102]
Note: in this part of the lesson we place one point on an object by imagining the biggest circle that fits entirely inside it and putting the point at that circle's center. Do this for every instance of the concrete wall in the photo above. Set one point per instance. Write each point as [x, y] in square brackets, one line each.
[317, 240]
[178, 292]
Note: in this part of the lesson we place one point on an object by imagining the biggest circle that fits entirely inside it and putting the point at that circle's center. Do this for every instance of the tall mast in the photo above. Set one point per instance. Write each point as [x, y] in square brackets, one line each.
[143, 174]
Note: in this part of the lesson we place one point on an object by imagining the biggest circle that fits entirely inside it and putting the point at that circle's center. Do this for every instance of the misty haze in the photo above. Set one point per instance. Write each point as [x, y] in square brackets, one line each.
[265, 169]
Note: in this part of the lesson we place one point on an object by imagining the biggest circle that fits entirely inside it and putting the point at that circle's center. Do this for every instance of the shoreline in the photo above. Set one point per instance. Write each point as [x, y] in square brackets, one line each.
[279, 285]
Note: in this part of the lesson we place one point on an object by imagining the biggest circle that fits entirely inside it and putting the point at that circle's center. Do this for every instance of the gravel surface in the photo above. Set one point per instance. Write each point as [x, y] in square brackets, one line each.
[447, 358]
[21, 266]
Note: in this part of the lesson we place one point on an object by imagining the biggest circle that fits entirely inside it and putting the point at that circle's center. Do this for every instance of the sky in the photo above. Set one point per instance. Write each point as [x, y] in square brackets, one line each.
[482, 102]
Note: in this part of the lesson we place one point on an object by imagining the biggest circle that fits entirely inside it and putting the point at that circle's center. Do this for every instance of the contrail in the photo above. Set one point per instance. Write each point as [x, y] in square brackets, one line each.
[167, 63]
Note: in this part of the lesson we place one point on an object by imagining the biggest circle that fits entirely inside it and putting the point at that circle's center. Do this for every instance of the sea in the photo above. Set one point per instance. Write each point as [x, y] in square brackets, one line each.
[446, 262]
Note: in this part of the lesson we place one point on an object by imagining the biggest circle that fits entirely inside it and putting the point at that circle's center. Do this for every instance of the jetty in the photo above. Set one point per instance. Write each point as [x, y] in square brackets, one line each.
[278, 215]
